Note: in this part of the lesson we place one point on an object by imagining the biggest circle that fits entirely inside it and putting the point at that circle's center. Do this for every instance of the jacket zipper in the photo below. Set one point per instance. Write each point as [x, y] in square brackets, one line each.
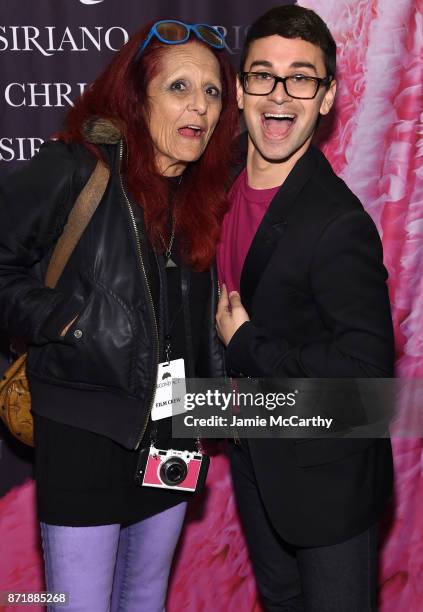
[235, 433]
[142, 267]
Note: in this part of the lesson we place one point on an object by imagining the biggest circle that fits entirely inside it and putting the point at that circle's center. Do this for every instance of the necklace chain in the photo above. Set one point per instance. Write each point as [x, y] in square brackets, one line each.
[168, 248]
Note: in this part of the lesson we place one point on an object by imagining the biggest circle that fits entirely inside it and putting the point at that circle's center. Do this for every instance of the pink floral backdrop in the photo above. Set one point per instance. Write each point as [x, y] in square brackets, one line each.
[376, 145]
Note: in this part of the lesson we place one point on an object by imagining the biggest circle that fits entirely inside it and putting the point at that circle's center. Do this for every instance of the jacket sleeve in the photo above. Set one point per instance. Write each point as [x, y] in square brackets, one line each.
[34, 203]
[348, 282]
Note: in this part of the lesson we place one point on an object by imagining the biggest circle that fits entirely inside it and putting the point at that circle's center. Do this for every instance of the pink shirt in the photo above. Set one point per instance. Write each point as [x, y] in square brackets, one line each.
[246, 212]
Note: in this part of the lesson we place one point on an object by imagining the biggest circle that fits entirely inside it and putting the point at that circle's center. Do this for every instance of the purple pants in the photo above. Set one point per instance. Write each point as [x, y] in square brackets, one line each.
[113, 568]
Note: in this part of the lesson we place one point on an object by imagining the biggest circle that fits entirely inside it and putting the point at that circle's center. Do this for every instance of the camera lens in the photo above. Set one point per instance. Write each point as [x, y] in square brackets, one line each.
[173, 471]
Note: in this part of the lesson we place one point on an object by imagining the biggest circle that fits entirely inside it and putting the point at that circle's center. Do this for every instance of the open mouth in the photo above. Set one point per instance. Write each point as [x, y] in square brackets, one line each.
[191, 131]
[277, 125]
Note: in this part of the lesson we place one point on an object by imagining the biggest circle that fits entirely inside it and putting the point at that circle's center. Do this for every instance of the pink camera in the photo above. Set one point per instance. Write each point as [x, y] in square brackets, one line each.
[172, 469]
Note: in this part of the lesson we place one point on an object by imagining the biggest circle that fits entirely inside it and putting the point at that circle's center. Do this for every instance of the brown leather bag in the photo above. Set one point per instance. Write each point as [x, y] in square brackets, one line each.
[15, 397]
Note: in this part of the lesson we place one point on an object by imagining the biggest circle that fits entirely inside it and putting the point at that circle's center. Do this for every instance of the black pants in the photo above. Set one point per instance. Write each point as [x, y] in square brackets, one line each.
[337, 578]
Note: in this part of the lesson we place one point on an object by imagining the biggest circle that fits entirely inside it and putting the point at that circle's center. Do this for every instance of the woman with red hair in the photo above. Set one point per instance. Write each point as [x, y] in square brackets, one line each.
[137, 296]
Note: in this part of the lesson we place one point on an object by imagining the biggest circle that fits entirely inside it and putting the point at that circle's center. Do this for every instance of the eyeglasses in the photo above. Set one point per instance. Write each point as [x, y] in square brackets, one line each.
[296, 86]
[174, 32]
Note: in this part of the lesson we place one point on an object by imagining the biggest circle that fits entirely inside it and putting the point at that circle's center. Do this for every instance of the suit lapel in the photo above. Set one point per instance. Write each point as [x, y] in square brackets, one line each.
[273, 225]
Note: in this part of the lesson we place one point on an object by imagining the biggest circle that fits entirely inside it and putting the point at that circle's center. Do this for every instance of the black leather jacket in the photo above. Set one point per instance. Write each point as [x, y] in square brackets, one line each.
[108, 358]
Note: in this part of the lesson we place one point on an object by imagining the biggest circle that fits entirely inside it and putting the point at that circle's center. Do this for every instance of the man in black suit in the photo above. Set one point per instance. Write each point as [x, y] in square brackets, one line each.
[310, 301]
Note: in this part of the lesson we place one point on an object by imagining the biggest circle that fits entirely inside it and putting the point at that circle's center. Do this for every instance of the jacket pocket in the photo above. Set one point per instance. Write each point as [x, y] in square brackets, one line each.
[60, 317]
[313, 452]
[98, 349]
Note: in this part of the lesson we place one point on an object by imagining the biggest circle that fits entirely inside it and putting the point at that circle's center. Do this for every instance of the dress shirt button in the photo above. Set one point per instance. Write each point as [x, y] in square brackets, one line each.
[77, 333]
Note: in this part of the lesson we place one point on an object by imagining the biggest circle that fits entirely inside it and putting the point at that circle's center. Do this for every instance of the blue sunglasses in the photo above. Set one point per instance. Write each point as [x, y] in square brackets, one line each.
[172, 32]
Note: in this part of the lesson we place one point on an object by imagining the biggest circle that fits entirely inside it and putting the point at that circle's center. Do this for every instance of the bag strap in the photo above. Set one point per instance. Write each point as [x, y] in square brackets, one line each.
[79, 217]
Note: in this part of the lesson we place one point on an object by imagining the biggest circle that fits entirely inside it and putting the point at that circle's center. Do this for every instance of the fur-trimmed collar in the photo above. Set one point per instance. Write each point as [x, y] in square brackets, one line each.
[101, 131]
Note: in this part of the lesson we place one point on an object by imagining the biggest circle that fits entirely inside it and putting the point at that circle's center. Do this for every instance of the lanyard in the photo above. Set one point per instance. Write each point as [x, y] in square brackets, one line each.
[166, 323]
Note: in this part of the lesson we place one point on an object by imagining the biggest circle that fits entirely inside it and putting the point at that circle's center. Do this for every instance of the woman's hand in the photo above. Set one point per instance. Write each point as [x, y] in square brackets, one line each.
[230, 315]
[65, 329]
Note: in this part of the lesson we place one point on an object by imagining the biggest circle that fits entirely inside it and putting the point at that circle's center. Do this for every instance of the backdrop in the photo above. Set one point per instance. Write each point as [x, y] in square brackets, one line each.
[50, 50]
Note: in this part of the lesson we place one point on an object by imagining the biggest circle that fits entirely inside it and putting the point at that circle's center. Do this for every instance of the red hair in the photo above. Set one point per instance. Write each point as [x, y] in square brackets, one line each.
[120, 95]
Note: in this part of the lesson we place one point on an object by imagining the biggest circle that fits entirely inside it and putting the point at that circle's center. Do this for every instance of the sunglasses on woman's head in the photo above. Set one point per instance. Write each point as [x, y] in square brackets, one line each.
[172, 32]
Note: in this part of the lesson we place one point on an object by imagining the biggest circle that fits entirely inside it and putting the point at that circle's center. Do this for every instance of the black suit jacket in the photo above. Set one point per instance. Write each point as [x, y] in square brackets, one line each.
[314, 286]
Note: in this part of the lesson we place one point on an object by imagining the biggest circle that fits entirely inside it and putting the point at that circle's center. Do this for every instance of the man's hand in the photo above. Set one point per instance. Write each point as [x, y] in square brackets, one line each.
[230, 315]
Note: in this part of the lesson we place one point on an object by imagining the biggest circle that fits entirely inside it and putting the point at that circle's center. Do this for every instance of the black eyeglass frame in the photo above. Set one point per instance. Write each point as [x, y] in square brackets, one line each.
[319, 81]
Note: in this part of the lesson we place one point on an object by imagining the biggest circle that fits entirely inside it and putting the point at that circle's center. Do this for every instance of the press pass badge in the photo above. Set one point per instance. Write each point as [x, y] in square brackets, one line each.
[170, 390]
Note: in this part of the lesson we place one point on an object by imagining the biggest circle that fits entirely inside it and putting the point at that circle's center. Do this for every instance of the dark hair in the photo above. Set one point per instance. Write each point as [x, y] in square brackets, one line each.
[294, 22]
[119, 94]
